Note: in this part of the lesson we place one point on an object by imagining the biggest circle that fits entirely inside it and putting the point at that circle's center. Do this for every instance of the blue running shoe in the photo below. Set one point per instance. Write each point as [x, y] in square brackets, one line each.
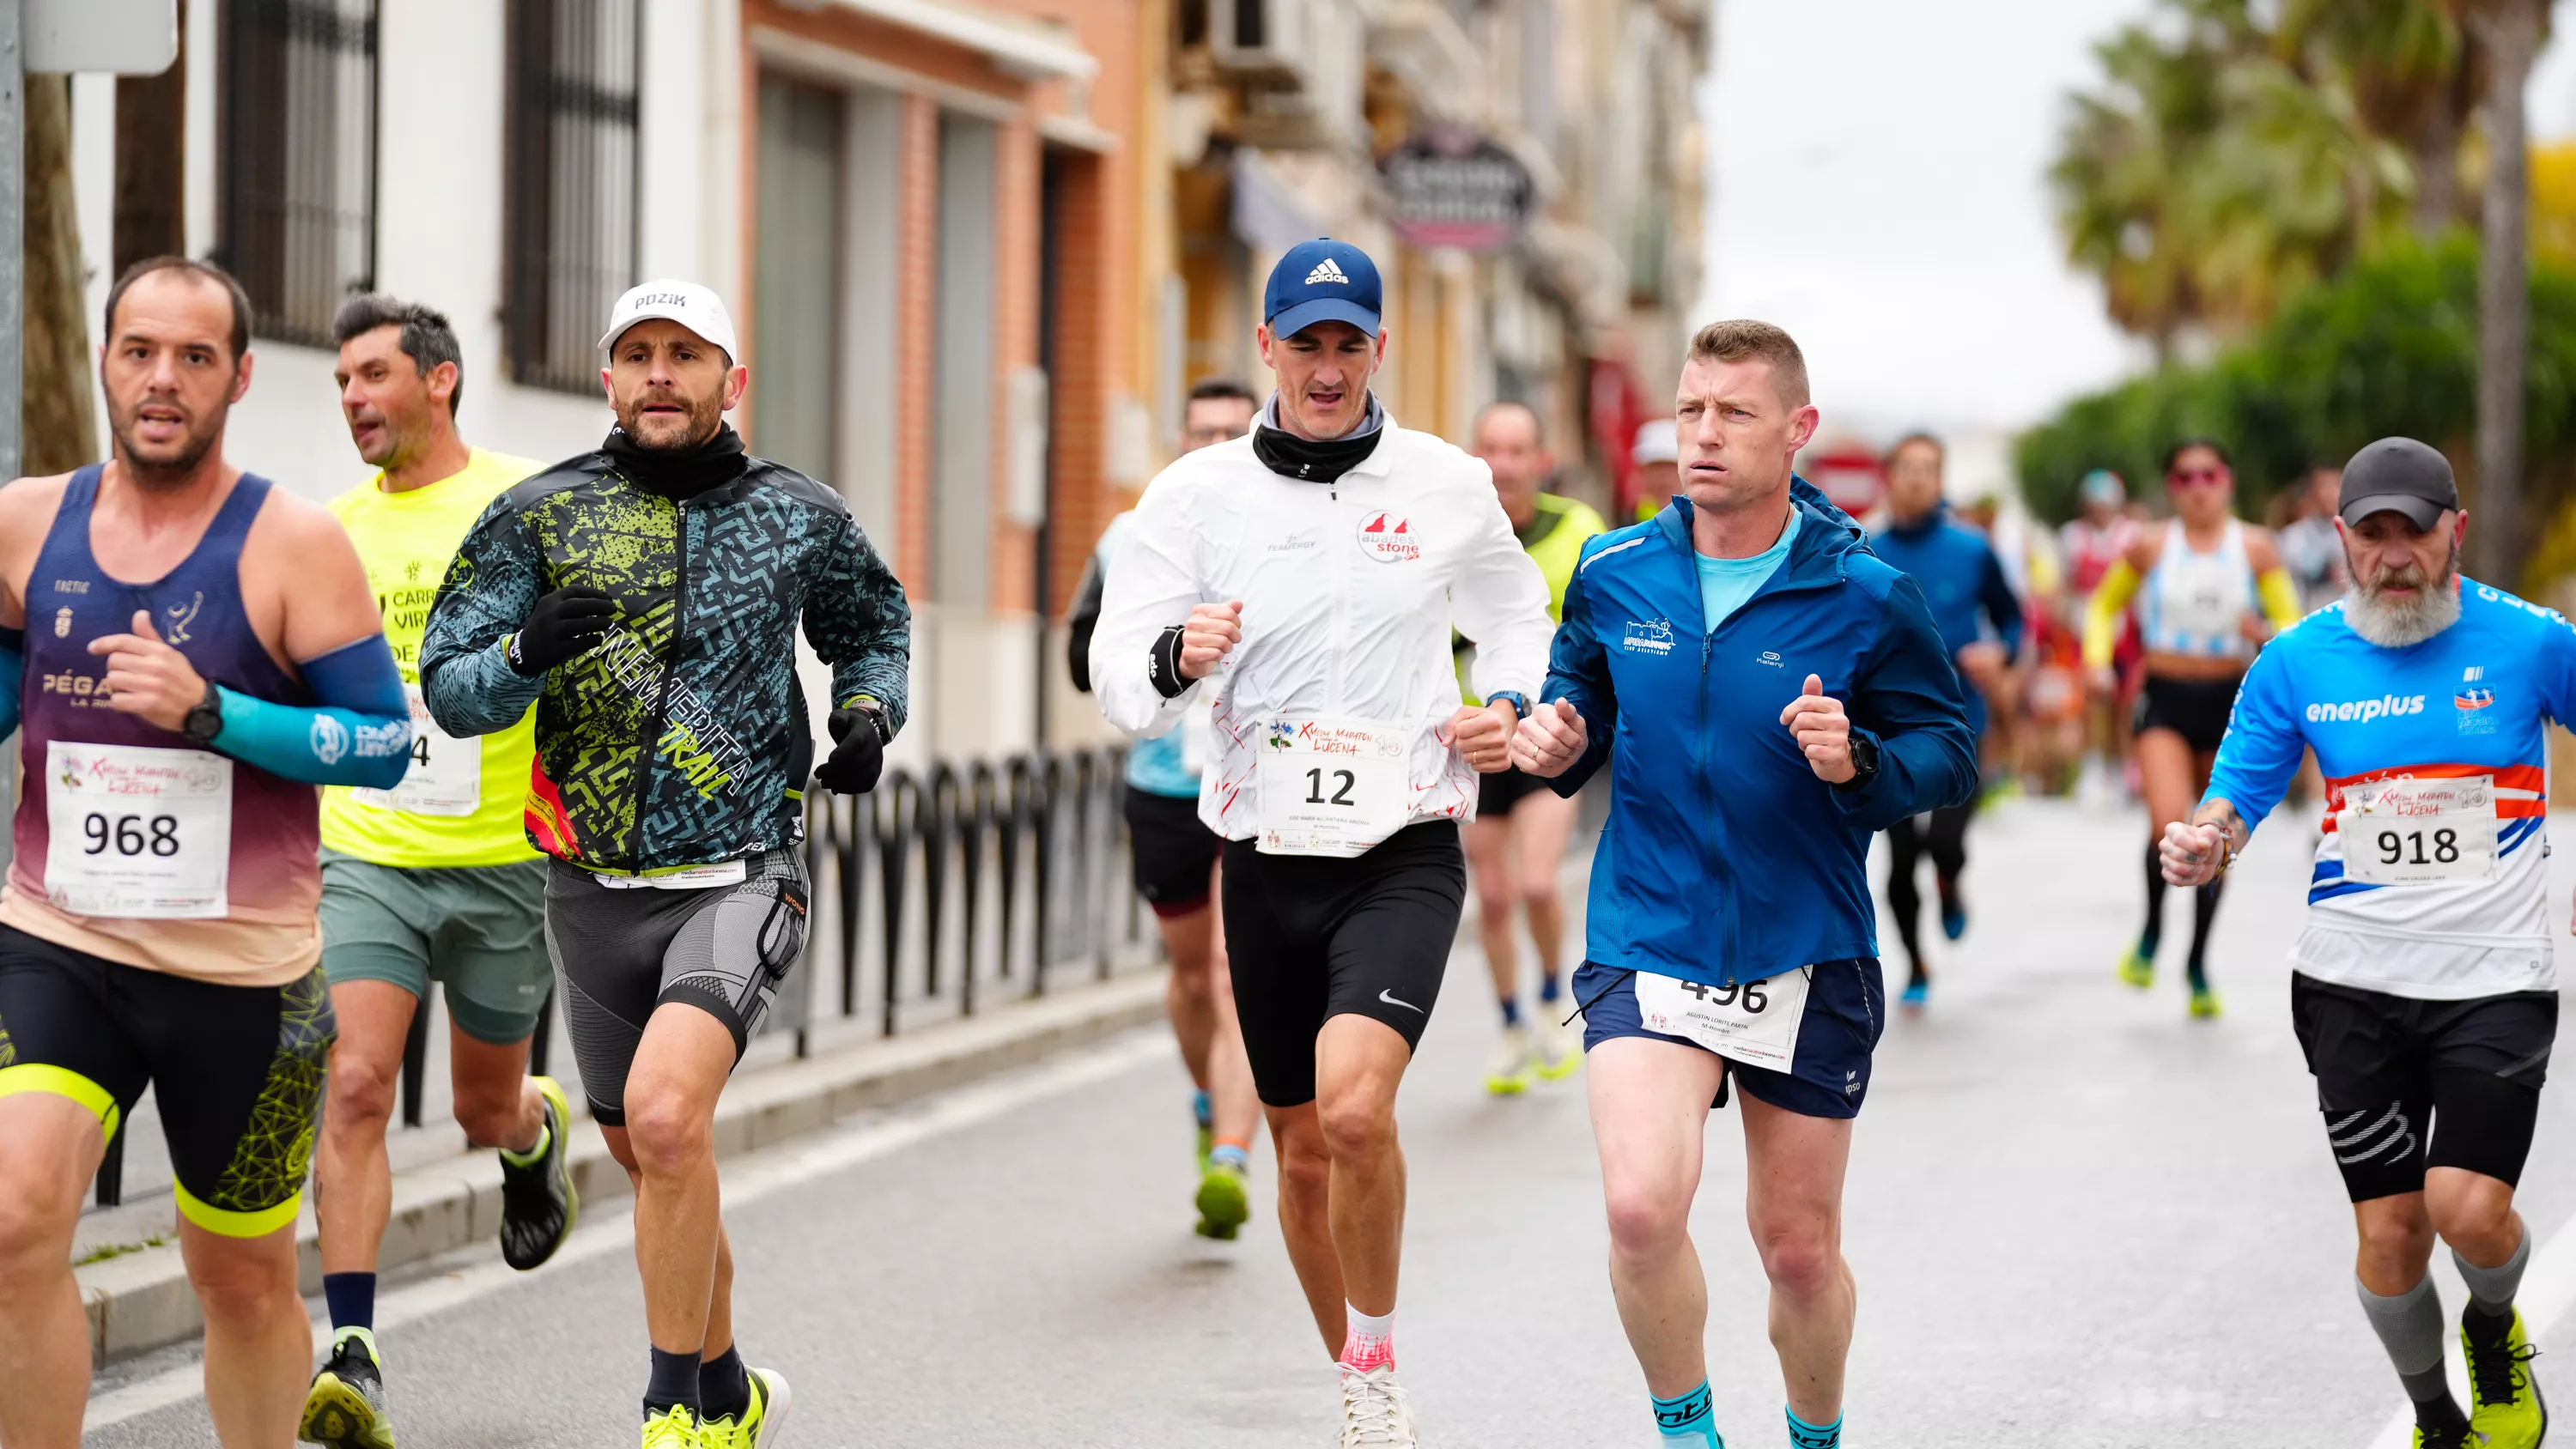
[1954, 919]
[1916, 993]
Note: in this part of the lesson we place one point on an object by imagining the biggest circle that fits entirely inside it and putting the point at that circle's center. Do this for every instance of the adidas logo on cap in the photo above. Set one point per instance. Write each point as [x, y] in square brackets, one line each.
[1326, 271]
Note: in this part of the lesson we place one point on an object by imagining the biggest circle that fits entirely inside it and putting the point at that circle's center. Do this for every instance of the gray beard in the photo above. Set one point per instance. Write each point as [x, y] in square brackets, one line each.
[2392, 625]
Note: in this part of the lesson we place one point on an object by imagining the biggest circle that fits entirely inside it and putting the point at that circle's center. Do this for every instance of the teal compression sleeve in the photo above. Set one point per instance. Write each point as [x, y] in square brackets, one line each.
[13, 670]
[357, 733]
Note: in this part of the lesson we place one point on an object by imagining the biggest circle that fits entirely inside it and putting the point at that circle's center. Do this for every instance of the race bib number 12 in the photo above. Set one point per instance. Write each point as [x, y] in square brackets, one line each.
[1332, 786]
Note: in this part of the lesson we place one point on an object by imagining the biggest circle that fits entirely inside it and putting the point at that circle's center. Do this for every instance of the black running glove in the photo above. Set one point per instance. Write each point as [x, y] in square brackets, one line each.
[563, 624]
[858, 753]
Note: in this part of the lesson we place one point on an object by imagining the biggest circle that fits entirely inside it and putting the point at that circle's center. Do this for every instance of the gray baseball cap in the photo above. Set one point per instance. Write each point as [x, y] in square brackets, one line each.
[2398, 475]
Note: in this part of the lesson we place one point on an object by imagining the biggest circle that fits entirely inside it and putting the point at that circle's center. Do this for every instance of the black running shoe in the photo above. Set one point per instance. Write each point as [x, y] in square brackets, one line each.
[538, 1203]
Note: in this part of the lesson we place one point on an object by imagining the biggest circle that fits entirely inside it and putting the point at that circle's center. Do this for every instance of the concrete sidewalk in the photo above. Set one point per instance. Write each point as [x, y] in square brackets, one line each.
[137, 1294]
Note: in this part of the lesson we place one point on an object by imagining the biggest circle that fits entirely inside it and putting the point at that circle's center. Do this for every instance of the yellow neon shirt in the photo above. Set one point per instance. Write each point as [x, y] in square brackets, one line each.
[462, 802]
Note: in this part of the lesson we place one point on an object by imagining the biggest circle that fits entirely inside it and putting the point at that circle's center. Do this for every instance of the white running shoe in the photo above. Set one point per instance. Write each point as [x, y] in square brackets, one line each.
[1560, 1043]
[1374, 1411]
[1509, 1076]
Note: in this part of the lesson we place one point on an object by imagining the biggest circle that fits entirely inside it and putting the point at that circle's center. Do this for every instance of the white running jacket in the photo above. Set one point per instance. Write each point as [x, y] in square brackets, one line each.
[1349, 593]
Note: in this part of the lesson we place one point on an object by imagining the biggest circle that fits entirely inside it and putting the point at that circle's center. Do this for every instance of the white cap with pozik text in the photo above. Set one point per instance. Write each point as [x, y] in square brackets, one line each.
[697, 308]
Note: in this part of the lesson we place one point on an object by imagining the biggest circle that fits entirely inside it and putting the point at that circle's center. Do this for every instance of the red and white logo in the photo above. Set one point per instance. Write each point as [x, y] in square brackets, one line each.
[1389, 538]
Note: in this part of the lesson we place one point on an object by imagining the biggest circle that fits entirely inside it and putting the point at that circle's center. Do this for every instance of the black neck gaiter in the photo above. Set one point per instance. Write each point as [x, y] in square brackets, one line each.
[1310, 460]
[712, 464]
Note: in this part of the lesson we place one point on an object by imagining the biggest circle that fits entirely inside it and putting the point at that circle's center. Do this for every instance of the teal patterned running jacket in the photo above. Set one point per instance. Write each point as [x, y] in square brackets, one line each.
[679, 739]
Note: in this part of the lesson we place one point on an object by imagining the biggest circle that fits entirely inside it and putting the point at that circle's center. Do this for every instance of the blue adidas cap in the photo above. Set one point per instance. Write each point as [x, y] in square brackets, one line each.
[1322, 281]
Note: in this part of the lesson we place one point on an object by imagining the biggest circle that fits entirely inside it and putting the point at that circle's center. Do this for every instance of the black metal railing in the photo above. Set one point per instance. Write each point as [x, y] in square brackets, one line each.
[932, 897]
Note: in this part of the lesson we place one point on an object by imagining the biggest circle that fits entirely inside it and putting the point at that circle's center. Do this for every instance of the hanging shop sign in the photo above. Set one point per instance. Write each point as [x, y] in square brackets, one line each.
[1454, 188]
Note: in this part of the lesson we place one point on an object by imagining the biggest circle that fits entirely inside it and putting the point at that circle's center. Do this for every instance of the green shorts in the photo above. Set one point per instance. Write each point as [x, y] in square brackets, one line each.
[480, 930]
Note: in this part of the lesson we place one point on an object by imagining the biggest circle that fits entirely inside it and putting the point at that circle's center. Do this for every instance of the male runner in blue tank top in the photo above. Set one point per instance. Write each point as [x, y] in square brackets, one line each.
[159, 925]
[2425, 987]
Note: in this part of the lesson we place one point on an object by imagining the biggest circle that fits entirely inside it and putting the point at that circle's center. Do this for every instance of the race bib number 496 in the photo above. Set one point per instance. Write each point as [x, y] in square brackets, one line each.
[138, 833]
[1753, 1022]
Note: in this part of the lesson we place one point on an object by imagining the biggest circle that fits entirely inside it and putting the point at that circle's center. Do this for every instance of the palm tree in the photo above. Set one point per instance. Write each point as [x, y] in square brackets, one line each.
[2216, 172]
[2412, 77]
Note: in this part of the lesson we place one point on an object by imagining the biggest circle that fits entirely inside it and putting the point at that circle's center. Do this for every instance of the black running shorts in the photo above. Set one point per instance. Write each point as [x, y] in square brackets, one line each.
[1312, 937]
[1501, 793]
[622, 954]
[2196, 709]
[2407, 1084]
[1175, 853]
[236, 1071]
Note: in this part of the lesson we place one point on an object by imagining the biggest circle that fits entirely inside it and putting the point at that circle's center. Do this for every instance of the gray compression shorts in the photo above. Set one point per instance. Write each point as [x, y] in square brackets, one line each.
[622, 954]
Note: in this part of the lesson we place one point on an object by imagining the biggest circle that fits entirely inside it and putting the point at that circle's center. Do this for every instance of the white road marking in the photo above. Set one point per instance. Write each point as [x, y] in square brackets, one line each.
[2548, 1290]
[746, 1180]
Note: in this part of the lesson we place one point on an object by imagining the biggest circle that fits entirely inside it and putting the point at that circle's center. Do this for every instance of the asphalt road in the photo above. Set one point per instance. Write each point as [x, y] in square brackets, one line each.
[2077, 1218]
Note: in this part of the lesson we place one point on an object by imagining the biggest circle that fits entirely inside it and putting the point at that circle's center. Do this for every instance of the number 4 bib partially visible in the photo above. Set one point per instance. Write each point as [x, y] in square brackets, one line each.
[445, 776]
[1332, 786]
[2419, 832]
[138, 833]
[1753, 1022]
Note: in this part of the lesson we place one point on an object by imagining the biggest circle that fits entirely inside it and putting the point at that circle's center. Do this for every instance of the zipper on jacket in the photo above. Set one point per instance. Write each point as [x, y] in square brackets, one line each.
[659, 719]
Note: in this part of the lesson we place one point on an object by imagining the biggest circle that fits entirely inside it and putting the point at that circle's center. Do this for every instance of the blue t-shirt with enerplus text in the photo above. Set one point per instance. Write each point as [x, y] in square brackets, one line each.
[2466, 710]
[1725, 583]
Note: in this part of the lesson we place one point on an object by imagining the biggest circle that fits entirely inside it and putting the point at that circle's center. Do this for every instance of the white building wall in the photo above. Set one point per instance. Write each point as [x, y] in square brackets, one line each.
[439, 201]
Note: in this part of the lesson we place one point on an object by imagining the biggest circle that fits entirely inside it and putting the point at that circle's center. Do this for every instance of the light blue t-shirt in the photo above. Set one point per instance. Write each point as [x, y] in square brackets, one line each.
[1725, 583]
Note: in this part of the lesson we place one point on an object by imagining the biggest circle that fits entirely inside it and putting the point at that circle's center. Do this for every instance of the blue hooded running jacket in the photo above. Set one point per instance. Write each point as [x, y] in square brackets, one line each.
[1725, 858]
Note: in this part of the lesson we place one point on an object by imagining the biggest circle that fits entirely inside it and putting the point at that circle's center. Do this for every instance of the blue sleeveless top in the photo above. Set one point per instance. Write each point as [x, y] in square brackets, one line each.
[274, 874]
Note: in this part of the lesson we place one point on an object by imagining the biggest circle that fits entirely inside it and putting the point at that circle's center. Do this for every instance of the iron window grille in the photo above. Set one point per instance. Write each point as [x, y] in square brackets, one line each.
[297, 186]
[572, 185]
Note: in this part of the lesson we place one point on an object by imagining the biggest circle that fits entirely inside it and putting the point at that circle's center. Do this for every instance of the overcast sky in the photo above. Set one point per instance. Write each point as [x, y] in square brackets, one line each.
[1877, 189]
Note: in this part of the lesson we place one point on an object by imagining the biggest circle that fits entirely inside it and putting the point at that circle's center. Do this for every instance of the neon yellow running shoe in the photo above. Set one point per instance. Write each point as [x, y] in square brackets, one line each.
[758, 1426]
[2505, 1409]
[2204, 1003]
[1513, 1065]
[2138, 968]
[2441, 1438]
[345, 1408]
[1225, 1201]
[673, 1428]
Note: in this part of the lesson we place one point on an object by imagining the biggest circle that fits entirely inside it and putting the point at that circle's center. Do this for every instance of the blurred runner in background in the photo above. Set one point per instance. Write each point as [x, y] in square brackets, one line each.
[1980, 623]
[1516, 843]
[1658, 460]
[2090, 544]
[2210, 591]
[1175, 858]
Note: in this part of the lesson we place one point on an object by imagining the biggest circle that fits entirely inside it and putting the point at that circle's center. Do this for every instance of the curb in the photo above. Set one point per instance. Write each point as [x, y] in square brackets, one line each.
[142, 1300]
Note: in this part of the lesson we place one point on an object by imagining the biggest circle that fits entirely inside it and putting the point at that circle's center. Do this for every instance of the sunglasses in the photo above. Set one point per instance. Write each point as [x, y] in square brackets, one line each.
[2194, 477]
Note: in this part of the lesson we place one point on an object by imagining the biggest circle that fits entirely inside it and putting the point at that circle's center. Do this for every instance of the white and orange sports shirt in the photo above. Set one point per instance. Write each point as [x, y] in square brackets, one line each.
[2470, 705]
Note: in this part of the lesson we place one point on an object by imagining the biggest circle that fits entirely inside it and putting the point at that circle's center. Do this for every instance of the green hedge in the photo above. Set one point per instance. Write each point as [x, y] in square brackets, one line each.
[2389, 347]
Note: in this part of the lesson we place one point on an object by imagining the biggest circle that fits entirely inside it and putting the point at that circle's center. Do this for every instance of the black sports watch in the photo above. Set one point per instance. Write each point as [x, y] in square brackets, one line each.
[206, 719]
[1864, 753]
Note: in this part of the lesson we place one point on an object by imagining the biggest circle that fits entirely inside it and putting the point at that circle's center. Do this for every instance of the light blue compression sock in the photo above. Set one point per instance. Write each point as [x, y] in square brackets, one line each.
[1203, 1109]
[1688, 1422]
[1231, 1155]
[1803, 1435]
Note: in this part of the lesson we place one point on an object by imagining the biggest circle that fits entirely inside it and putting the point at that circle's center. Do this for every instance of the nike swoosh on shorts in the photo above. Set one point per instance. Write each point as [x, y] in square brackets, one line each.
[1387, 997]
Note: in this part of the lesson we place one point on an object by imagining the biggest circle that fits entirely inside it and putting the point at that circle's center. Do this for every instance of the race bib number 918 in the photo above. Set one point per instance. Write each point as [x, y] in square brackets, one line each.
[2419, 832]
